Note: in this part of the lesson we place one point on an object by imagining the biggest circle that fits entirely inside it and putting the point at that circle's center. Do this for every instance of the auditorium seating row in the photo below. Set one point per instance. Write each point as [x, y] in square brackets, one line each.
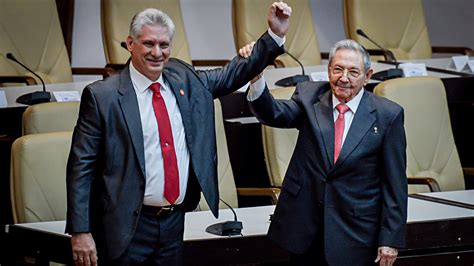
[39, 157]
[27, 22]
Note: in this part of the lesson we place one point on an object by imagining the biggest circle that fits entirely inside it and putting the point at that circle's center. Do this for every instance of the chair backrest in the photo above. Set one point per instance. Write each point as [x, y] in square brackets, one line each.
[116, 16]
[227, 189]
[38, 177]
[278, 144]
[30, 30]
[431, 151]
[249, 22]
[50, 117]
[399, 26]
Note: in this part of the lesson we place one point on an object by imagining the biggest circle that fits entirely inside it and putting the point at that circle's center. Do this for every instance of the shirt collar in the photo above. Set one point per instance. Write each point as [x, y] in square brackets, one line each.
[140, 82]
[353, 104]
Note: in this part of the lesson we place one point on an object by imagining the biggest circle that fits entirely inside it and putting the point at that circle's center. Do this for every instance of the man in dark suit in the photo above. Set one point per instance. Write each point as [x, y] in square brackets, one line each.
[344, 196]
[144, 146]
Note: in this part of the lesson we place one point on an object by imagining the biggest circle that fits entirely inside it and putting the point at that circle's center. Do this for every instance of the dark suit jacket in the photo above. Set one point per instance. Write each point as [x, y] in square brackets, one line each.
[106, 167]
[357, 204]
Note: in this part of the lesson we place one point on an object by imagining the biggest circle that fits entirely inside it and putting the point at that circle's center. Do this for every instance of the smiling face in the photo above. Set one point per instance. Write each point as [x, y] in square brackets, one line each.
[347, 74]
[151, 50]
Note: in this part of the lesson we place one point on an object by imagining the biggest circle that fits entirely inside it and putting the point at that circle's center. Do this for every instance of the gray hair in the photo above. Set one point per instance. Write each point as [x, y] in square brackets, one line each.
[351, 45]
[150, 16]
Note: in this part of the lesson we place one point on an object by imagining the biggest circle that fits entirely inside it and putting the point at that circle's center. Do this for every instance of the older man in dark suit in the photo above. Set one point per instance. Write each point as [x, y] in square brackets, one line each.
[144, 146]
[344, 196]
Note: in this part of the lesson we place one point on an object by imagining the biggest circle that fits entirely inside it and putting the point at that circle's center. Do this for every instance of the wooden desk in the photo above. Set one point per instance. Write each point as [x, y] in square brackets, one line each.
[438, 234]
[463, 199]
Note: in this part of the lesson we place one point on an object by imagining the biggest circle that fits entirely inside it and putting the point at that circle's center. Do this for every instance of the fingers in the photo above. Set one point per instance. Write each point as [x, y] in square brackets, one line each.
[281, 10]
[378, 258]
[85, 258]
[386, 256]
[83, 249]
[246, 51]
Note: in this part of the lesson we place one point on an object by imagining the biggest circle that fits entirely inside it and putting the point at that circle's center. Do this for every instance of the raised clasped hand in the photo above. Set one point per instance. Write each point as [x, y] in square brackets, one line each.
[279, 18]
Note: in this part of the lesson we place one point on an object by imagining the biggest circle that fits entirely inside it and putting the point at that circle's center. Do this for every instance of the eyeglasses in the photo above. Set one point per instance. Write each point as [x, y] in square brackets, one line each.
[352, 73]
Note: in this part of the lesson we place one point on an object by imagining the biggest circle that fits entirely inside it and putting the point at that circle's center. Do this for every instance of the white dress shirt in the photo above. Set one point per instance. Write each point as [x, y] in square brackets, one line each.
[151, 139]
[353, 104]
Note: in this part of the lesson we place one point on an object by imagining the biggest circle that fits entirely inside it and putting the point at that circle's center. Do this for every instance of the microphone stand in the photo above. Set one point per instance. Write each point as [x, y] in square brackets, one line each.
[293, 80]
[389, 57]
[227, 228]
[32, 97]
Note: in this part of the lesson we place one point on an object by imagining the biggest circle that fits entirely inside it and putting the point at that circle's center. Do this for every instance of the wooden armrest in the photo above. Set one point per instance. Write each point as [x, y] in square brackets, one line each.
[18, 79]
[375, 52]
[270, 192]
[452, 50]
[468, 171]
[104, 71]
[115, 67]
[278, 64]
[202, 63]
[430, 182]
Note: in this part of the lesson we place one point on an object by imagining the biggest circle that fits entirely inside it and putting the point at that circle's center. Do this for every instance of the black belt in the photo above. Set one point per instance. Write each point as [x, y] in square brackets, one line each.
[160, 211]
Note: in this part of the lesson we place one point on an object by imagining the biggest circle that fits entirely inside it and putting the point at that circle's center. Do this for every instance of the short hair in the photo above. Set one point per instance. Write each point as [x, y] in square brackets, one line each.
[150, 16]
[351, 45]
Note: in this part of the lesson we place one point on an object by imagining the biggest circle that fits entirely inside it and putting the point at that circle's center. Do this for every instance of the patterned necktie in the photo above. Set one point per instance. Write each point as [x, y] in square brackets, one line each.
[170, 163]
[339, 129]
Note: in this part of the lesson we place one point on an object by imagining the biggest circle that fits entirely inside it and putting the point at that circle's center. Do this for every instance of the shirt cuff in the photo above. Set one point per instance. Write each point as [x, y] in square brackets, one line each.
[256, 89]
[280, 41]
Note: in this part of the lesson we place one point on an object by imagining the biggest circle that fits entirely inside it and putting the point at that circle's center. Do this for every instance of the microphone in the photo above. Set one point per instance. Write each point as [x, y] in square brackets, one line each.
[387, 54]
[389, 57]
[32, 97]
[227, 228]
[293, 80]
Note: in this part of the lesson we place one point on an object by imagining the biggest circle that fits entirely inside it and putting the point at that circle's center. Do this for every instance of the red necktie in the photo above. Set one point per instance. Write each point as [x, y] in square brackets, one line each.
[339, 129]
[170, 163]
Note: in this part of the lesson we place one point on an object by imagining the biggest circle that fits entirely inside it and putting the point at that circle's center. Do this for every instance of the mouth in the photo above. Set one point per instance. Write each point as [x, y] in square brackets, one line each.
[344, 87]
[155, 62]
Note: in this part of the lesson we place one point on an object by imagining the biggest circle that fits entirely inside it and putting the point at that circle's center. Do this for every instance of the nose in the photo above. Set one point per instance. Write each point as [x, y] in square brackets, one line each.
[156, 51]
[344, 76]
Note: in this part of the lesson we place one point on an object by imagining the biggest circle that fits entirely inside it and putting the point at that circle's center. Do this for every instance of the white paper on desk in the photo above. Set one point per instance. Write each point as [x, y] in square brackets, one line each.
[413, 70]
[458, 62]
[469, 66]
[66, 96]
[3, 99]
[319, 76]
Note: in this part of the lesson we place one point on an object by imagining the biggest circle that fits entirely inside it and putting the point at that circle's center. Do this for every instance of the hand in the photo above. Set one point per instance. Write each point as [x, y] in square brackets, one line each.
[83, 249]
[279, 18]
[245, 52]
[386, 256]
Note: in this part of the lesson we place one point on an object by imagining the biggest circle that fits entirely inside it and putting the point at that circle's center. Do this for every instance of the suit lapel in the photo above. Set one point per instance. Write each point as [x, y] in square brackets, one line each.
[131, 113]
[182, 94]
[324, 119]
[362, 122]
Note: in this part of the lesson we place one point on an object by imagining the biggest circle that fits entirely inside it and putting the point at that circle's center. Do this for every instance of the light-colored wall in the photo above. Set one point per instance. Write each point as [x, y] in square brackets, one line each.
[209, 28]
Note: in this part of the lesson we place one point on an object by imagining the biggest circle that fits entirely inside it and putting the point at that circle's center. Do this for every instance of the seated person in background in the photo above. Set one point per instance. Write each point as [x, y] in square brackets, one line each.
[344, 196]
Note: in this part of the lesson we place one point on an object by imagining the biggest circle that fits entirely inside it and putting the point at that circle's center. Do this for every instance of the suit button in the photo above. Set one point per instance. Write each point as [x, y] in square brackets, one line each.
[320, 204]
[136, 213]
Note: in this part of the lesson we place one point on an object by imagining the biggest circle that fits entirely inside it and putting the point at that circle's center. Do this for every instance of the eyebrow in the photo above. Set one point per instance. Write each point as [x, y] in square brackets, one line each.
[351, 68]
